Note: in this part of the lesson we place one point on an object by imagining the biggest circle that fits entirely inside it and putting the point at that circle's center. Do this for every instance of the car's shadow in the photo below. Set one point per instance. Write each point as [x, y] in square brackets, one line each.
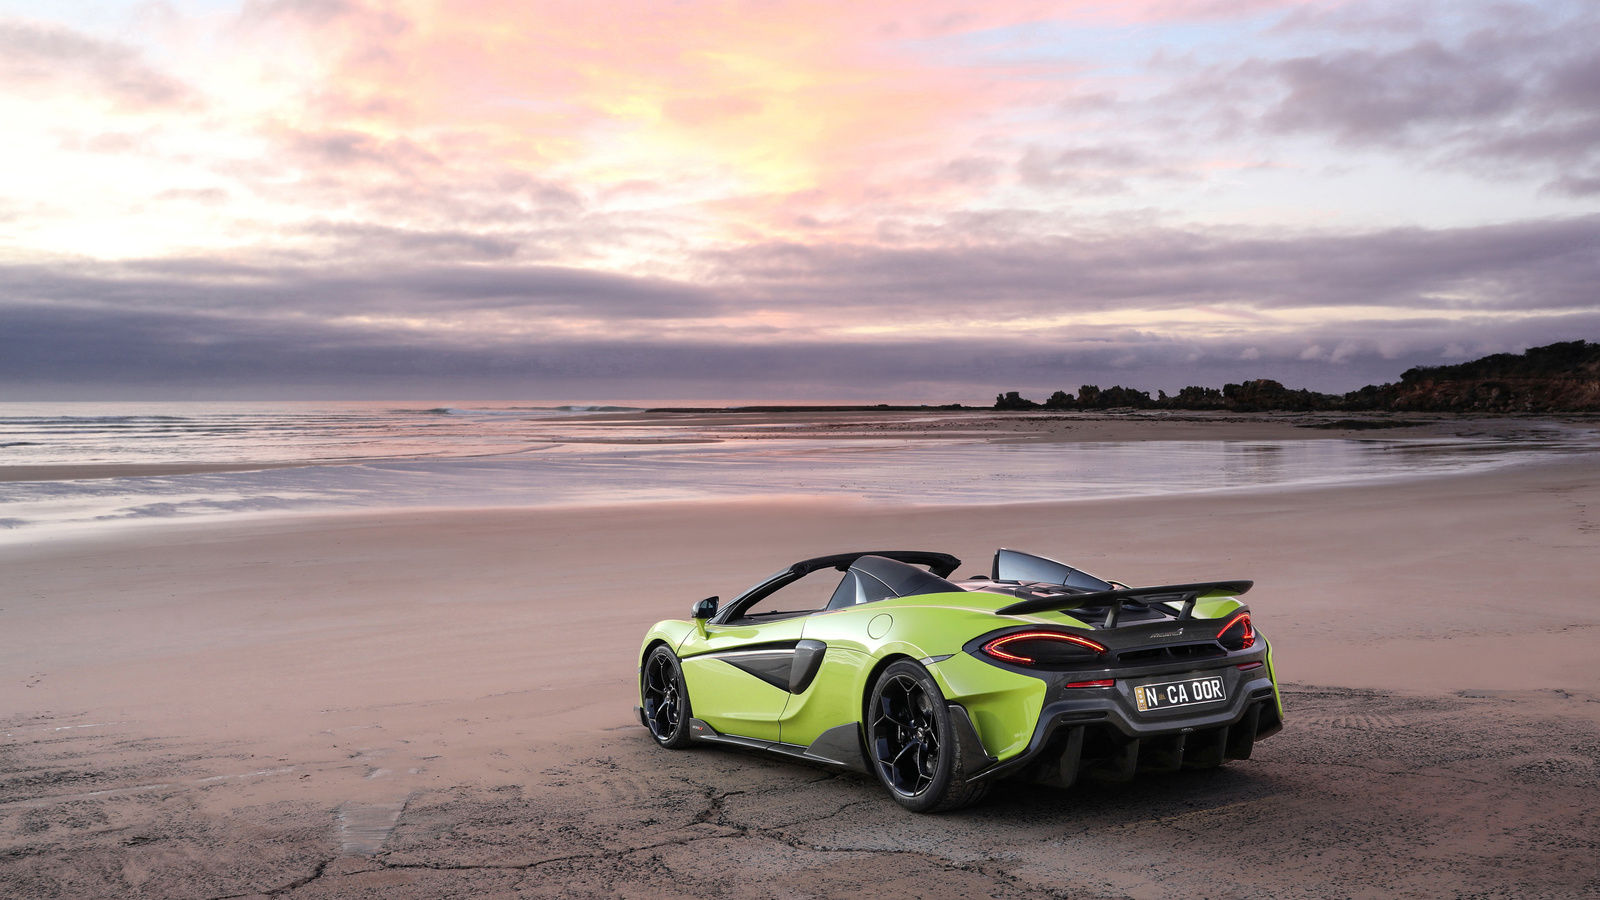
[1149, 797]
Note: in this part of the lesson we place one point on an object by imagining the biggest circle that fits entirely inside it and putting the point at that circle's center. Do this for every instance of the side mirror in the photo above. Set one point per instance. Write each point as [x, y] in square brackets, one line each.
[706, 608]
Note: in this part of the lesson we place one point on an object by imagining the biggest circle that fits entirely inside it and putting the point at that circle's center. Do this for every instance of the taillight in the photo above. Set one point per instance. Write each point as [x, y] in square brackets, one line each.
[1099, 682]
[1043, 648]
[1238, 634]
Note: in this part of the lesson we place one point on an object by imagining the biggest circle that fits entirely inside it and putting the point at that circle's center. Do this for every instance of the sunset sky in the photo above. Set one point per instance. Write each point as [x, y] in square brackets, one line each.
[688, 201]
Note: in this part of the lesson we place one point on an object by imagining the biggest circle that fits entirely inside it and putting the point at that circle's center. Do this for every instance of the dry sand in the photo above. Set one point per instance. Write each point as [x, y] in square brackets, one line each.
[436, 704]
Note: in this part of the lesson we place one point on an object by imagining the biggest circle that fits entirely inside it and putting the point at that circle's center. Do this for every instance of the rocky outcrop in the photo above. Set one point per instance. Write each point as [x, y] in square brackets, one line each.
[1014, 400]
[1264, 394]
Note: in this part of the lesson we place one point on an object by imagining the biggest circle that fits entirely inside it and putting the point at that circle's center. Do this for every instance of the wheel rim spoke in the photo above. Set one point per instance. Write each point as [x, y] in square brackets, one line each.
[889, 714]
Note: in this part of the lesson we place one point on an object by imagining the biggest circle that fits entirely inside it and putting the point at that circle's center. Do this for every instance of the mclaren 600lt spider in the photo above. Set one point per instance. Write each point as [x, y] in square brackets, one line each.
[877, 662]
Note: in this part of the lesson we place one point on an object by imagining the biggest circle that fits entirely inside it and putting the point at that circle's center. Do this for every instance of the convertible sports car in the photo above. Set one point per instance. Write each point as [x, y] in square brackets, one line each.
[1039, 671]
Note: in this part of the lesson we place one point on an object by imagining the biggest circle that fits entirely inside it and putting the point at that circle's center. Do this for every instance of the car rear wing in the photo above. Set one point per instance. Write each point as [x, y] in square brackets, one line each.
[1185, 594]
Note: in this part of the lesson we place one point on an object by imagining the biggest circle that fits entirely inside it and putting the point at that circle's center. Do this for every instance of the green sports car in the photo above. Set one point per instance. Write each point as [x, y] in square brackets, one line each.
[1039, 671]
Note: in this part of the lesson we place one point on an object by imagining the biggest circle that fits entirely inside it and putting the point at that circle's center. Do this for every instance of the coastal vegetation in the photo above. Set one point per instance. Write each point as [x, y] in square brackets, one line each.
[1561, 377]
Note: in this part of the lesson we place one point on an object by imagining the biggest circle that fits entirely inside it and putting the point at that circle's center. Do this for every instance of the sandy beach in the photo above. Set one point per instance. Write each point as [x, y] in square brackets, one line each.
[376, 374]
[437, 704]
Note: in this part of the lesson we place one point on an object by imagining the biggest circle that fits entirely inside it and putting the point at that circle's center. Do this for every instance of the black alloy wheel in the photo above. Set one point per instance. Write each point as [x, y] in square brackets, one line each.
[666, 700]
[905, 736]
[912, 740]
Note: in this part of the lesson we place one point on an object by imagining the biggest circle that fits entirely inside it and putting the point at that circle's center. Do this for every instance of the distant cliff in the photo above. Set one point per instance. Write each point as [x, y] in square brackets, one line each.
[1562, 377]
[1559, 378]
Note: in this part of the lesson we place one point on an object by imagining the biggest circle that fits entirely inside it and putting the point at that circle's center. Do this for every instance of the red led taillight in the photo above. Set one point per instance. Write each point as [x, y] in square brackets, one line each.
[1032, 648]
[1104, 682]
[1238, 634]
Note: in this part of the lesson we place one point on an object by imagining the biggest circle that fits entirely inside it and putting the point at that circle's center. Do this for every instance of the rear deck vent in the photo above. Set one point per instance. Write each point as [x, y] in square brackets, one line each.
[1150, 653]
[1197, 651]
[1206, 650]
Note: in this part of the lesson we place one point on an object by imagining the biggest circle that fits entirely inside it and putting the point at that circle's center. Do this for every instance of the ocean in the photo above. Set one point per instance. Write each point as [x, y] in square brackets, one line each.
[371, 456]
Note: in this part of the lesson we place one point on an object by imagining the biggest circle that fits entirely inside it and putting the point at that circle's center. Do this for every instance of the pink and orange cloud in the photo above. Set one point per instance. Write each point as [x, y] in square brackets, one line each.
[1155, 173]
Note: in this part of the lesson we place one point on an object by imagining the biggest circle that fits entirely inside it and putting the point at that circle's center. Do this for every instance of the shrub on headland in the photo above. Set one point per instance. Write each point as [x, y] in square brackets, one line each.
[1563, 377]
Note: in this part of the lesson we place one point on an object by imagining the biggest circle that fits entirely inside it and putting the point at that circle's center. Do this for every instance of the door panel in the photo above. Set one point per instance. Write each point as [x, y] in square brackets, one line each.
[726, 696]
[833, 698]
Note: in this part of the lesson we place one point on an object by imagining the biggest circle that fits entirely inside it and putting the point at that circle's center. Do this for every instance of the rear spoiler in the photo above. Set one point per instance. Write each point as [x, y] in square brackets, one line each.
[1186, 594]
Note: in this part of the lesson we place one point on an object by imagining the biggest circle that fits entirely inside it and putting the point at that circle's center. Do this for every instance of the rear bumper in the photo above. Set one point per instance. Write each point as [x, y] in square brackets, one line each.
[1100, 733]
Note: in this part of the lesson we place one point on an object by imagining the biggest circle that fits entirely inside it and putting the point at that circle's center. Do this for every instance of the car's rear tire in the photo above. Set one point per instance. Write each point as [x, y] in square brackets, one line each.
[665, 698]
[913, 744]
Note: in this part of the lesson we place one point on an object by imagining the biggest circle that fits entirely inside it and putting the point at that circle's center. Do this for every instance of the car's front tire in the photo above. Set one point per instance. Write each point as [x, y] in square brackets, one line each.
[913, 744]
[665, 698]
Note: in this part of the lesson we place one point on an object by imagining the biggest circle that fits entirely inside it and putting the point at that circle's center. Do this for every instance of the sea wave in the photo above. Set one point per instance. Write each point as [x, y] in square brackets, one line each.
[126, 433]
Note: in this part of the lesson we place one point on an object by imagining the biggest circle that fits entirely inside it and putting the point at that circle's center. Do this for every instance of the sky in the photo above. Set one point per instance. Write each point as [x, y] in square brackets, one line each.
[675, 201]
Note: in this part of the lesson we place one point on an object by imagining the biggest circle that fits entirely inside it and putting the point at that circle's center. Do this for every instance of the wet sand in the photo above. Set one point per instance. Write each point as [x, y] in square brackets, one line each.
[436, 704]
[645, 428]
[132, 470]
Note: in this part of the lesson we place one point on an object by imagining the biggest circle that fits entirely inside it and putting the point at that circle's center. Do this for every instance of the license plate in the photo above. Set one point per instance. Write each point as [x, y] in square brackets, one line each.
[1172, 694]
